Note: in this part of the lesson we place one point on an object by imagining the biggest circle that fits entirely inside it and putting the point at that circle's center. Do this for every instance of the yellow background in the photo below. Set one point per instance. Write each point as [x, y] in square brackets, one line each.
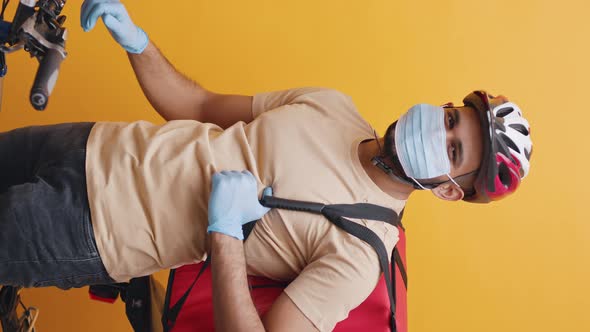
[519, 265]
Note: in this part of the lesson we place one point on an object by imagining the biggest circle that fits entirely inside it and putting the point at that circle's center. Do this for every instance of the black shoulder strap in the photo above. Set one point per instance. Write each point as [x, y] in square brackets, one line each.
[359, 210]
[365, 211]
[170, 316]
[368, 236]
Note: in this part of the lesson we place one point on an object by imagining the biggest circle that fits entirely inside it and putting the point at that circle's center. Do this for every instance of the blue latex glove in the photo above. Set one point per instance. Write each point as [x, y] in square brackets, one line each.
[117, 20]
[234, 202]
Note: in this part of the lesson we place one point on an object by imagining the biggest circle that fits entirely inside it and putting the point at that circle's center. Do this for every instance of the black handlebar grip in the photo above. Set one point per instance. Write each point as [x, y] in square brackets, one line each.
[45, 79]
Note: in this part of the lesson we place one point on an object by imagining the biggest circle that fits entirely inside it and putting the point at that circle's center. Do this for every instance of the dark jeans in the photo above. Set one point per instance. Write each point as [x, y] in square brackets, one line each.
[46, 236]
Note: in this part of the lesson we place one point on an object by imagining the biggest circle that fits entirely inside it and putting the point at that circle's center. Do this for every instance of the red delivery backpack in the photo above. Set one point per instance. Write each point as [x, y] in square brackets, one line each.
[188, 301]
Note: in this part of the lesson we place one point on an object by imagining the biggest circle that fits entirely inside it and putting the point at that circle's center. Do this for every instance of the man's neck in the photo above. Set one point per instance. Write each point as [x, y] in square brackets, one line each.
[396, 189]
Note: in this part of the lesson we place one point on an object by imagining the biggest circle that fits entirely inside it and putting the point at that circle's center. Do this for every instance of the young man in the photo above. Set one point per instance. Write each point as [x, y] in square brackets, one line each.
[100, 202]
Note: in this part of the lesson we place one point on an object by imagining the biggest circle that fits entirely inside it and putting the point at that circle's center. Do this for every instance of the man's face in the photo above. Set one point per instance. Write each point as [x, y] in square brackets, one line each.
[464, 145]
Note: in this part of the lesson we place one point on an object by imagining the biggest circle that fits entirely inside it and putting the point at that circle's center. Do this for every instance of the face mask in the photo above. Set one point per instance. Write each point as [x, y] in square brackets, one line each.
[421, 143]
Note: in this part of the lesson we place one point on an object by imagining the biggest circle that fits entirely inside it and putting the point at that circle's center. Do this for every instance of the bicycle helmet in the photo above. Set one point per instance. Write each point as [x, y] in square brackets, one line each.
[507, 147]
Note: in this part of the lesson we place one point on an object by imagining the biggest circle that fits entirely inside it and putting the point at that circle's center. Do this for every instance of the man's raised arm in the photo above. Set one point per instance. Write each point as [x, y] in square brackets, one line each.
[173, 95]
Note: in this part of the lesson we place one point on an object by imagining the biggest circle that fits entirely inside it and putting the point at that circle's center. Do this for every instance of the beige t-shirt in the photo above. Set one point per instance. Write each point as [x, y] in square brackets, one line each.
[149, 185]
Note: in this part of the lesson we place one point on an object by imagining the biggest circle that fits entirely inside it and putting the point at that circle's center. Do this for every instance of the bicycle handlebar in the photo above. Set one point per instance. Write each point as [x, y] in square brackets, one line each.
[37, 27]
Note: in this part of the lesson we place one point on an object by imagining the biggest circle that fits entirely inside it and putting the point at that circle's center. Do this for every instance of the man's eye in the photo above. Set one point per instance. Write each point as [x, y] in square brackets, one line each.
[451, 121]
[453, 153]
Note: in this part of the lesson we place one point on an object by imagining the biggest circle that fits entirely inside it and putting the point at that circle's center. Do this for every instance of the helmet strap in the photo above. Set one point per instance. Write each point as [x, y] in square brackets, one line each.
[382, 165]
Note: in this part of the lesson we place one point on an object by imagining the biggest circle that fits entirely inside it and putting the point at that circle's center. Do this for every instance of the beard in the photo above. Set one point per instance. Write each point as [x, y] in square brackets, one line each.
[389, 153]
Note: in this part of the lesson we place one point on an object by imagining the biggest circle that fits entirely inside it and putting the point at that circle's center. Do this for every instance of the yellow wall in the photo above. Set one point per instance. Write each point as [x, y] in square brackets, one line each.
[520, 265]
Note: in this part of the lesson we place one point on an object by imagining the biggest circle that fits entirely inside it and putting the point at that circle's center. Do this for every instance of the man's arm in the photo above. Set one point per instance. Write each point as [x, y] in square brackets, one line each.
[232, 303]
[232, 203]
[175, 96]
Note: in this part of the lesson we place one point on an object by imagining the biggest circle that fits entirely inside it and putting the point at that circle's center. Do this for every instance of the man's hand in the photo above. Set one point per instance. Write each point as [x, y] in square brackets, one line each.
[234, 202]
[114, 15]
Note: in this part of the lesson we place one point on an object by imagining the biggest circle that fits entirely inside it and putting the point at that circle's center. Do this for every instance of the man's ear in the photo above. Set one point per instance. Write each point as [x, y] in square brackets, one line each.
[448, 192]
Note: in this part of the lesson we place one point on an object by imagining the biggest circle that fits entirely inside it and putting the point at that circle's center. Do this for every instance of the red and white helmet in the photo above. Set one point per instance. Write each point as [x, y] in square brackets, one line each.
[507, 147]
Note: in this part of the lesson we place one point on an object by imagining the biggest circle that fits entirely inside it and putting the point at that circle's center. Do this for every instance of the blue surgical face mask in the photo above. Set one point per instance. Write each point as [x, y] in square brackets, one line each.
[421, 143]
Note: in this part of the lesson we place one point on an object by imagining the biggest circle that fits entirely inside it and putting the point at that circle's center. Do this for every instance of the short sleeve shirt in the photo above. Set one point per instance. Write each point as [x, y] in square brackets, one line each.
[149, 185]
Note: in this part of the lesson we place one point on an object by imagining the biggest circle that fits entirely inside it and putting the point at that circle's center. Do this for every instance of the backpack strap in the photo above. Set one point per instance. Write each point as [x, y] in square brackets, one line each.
[170, 316]
[366, 211]
[374, 212]
[359, 210]
[368, 236]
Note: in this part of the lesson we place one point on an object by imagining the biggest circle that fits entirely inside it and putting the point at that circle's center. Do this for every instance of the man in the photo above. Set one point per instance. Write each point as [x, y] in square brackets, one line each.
[102, 202]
